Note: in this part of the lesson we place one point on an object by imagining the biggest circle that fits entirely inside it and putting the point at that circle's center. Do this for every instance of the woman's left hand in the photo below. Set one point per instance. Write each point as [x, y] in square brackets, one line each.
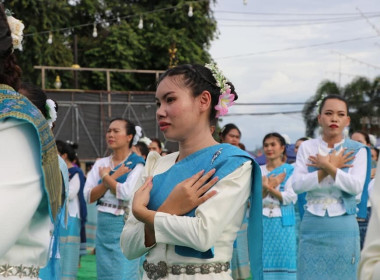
[104, 170]
[141, 199]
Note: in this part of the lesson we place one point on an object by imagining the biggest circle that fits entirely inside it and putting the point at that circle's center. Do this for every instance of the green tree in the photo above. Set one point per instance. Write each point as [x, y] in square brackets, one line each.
[363, 98]
[119, 44]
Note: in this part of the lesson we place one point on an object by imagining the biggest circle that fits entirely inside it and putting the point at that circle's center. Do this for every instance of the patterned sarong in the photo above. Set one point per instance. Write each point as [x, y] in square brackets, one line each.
[69, 249]
[329, 248]
[111, 264]
[280, 257]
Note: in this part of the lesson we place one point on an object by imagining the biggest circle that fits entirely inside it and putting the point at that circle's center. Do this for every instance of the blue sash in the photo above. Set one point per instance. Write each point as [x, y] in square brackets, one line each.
[225, 158]
[82, 202]
[349, 199]
[131, 163]
[287, 211]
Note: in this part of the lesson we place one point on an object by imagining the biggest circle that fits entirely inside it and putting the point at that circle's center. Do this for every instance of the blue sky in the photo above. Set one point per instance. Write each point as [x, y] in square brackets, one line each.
[271, 60]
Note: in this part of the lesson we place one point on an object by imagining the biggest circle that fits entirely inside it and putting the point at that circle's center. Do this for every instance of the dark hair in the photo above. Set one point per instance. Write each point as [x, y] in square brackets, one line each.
[365, 135]
[156, 140]
[332, 96]
[144, 150]
[36, 95]
[279, 137]
[198, 78]
[129, 128]
[377, 151]
[67, 148]
[226, 129]
[10, 72]
[302, 139]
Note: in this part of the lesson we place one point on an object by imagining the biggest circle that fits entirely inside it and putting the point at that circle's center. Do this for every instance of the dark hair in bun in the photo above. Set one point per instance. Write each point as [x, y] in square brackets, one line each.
[198, 78]
[10, 72]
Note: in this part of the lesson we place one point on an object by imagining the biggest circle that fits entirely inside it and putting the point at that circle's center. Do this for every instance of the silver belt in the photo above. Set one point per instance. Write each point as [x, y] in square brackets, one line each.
[113, 205]
[161, 270]
[7, 270]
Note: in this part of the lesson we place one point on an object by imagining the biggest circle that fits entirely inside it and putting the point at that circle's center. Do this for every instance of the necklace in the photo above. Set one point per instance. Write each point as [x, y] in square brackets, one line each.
[112, 165]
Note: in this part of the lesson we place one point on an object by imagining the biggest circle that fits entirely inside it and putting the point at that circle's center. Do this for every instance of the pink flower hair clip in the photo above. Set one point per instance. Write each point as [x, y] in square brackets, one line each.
[226, 98]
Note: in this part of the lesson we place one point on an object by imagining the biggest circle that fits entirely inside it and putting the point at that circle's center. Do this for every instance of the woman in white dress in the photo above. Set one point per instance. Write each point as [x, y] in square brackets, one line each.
[186, 230]
[332, 170]
[110, 183]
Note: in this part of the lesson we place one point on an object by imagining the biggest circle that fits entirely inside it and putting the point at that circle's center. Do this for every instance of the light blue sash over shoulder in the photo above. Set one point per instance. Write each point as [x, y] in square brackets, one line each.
[225, 158]
[349, 199]
[287, 211]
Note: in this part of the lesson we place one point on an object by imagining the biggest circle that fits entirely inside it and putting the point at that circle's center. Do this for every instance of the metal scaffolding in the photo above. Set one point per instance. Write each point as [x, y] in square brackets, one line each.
[84, 115]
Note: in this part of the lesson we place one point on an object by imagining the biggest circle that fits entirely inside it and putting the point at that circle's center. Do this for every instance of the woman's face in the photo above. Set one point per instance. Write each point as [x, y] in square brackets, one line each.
[153, 146]
[297, 146]
[116, 135]
[273, 149]
[177, 110]
[232, 137]
[333, 118]
[359, 138]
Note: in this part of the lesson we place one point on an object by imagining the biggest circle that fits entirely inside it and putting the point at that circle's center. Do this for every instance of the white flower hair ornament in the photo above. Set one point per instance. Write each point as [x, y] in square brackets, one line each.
[17, 27]
[226, 98]
[138, 135]
[51, 112]
[319, 102]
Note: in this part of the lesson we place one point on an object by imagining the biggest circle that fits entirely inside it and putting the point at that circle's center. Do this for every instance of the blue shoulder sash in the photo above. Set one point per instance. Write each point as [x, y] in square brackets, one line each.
[225, 158]
[349, 199]
[287, 211]
[130, 162]
[16, 106]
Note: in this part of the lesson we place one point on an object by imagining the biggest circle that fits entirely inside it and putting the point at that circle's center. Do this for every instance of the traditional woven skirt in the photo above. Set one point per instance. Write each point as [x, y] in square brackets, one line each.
[111, 264]
[240, 259]
[279, 250]
[329, 248]
[69, 248]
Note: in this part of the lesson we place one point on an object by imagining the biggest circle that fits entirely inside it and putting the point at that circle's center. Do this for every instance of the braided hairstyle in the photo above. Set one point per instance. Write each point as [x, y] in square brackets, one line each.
[10, 72]
[198, 78]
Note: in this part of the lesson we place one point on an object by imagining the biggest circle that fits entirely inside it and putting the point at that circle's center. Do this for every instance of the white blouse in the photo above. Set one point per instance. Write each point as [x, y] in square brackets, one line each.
[327, 195]
[25, 225]
[74, 187]
[271, 205]
[123, 190]
[215, 224]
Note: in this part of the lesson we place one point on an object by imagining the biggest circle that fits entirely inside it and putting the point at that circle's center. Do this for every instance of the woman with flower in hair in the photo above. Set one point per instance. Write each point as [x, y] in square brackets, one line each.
[30, 188]
[280, 250]
[110, 184]
[191, 203]
[332, 170]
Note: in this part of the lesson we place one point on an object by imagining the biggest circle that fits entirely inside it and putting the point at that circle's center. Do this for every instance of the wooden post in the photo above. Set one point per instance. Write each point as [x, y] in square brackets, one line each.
[43, 77]
[109, 94]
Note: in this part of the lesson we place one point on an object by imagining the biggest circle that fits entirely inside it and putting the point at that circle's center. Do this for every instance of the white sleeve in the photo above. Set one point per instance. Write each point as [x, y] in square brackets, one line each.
[74, 186]
[211, 218]
[21, 179]
[288, 195]
[352, 181]
[369, 266]
[91, 181]
[124, 191]
[303, 180]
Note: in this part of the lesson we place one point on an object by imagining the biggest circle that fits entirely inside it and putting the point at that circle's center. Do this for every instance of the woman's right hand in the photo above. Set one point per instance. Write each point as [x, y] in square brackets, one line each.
[189, 194]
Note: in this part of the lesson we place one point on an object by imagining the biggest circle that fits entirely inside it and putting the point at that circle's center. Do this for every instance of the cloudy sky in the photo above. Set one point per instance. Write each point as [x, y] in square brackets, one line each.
[279, 51]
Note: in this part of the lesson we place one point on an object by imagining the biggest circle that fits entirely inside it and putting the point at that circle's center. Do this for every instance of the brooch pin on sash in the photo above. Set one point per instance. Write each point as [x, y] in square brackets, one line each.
[217, 153]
